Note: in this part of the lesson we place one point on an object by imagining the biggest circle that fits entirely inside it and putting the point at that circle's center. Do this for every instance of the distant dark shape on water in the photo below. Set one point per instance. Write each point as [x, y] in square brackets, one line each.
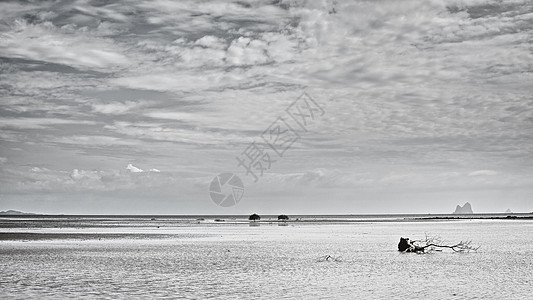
[464, 210]
[254, 217]
[283, 217]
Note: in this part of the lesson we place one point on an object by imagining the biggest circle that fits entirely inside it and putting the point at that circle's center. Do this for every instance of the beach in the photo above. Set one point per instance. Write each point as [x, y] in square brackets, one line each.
[199, 258]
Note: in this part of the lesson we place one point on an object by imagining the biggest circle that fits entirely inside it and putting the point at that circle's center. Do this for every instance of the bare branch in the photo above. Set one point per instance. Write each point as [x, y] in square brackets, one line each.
[433, 243]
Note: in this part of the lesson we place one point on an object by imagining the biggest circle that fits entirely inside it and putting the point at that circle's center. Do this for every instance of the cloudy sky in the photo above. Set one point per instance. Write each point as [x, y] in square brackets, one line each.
[134, 106]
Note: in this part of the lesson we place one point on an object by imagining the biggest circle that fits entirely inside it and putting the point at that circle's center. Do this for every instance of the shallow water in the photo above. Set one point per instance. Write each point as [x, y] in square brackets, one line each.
[234, 261]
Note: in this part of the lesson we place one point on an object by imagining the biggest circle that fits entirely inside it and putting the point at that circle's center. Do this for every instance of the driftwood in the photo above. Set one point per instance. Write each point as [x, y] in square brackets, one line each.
[433, 243]
[329, 258]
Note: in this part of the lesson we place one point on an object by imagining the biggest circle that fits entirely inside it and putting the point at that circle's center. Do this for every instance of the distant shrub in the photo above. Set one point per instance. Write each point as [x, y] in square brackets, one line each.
[283, 217]
[254, 217]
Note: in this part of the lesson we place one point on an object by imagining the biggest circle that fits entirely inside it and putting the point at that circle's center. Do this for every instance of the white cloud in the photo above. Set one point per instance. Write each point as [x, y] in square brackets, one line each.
[82, 174]
[40, 179]
[133, 169]
[483, 173]
[94, 140]
[182, 116]
[117, 108]
[65, 45]
[38, 123]
[210, 41]
[246, 51]
[160, 132]
[183, 81]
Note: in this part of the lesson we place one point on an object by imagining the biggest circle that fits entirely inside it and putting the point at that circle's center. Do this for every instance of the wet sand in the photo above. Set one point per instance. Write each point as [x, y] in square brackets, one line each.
[198, 259]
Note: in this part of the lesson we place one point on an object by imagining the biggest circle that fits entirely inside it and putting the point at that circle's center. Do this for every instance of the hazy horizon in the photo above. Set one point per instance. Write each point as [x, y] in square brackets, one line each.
[291, 215]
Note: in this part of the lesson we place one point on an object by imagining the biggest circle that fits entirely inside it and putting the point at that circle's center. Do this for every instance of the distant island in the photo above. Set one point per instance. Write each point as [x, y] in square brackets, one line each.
[466, 209]
[14, 212]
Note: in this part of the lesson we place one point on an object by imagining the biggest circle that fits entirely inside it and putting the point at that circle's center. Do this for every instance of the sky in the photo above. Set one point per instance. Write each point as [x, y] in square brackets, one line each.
[134, 107]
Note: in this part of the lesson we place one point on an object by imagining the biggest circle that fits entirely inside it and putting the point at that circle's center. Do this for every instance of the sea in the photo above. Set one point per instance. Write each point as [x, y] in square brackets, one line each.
[229, 257]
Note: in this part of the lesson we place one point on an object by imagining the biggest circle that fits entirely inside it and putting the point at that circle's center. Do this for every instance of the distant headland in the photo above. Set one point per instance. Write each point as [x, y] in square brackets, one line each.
[466, 209]
[14, 212]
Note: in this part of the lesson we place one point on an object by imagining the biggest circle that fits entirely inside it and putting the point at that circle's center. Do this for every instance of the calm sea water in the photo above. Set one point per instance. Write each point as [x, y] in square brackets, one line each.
[188, 260]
